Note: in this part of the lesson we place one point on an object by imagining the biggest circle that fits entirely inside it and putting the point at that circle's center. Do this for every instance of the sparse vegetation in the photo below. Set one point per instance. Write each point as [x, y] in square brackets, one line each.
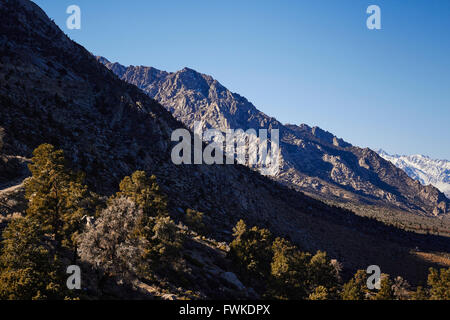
[281, 269]
[134, 239]
[194, 220]
[2, 135]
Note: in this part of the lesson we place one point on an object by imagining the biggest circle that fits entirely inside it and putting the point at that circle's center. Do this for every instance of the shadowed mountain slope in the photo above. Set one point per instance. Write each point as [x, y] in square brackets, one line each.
[52, 90]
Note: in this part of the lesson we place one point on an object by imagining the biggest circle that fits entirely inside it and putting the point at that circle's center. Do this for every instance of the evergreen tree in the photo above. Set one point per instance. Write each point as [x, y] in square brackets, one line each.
[28, 269]
[145, 192]
[251, 252]
[319, 293]
[35, 245]
[57, 199]
[356, 288]
[155, 225]
[165, 244]
[439, 283]
[113, 244]
[194, 220]
[290, 271]
[421, 294]
[386, 292]
[322, 273]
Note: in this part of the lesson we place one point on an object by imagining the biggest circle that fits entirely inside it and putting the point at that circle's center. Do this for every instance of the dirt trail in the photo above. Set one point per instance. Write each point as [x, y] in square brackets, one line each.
[10, 187]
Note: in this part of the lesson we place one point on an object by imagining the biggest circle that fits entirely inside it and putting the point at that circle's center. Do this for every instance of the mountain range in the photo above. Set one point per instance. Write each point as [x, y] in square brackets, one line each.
[313, 160]
[424, 169]
[52, 90]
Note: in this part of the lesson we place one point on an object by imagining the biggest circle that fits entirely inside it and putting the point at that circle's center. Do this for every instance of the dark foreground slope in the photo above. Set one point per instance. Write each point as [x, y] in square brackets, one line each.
[313, 160]
[53, 90]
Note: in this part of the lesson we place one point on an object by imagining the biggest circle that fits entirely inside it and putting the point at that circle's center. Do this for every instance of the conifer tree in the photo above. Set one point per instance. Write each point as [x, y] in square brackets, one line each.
[289, 269]
[251, 251]
[57, 199]
[194, 220]
[145, 192]
[28, 270]
[322, 273]
[386, 292]
[165, 244]
[319, 293]
[439, 283]
[420, 294]
[356, 288]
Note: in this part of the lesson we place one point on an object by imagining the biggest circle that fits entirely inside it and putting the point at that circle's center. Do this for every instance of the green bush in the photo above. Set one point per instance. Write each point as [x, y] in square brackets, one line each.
[194, 220]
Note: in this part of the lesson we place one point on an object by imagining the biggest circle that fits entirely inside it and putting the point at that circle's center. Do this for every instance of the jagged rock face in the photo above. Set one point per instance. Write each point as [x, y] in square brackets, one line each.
[424, 169]
[313, 160]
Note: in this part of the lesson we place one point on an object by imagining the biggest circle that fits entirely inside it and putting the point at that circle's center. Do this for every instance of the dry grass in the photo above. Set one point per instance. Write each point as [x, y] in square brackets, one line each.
[440, 258]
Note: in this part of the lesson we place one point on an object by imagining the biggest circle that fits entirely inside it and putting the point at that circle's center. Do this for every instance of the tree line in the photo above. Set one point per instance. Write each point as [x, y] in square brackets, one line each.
[130, 236]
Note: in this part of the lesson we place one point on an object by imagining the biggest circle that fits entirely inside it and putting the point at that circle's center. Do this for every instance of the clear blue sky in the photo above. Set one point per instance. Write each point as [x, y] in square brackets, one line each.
[311, 61]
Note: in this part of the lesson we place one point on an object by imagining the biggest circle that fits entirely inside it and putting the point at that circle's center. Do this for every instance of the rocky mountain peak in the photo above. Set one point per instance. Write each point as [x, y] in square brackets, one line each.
[314, 160]
[54, 91]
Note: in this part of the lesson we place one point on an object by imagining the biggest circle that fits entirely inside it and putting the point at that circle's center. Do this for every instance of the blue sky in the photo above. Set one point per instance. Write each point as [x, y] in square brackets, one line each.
[311, 62]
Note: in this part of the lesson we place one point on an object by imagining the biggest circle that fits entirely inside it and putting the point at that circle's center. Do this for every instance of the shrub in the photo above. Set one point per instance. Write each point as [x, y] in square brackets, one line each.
[320, 293]
[2, 135]
[112, 244]
[194, 220]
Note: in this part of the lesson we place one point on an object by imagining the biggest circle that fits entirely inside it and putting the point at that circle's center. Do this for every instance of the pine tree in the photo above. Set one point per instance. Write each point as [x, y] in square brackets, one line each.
[165, 244]
[29, 270]
[290, 271]
[356, 288]
[251, 252]
[194, 220]
[386, 292]
[34, 246]
[145, 192]
[420, 294]
[439, 283]
[323, 273]
[57, 199]
[319, 293]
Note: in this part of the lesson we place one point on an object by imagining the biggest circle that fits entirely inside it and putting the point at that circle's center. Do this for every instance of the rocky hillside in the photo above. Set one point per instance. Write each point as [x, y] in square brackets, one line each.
[424, 169]
[54, 91]
[313, 160]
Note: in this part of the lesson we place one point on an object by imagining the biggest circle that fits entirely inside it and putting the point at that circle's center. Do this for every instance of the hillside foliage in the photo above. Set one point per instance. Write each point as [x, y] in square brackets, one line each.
[132, 238]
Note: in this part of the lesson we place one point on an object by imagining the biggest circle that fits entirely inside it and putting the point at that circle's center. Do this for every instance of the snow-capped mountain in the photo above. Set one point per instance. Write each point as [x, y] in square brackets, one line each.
[424, 169]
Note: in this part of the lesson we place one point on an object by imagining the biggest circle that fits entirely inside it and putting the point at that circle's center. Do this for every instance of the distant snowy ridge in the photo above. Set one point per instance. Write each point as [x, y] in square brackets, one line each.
[424, 169]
